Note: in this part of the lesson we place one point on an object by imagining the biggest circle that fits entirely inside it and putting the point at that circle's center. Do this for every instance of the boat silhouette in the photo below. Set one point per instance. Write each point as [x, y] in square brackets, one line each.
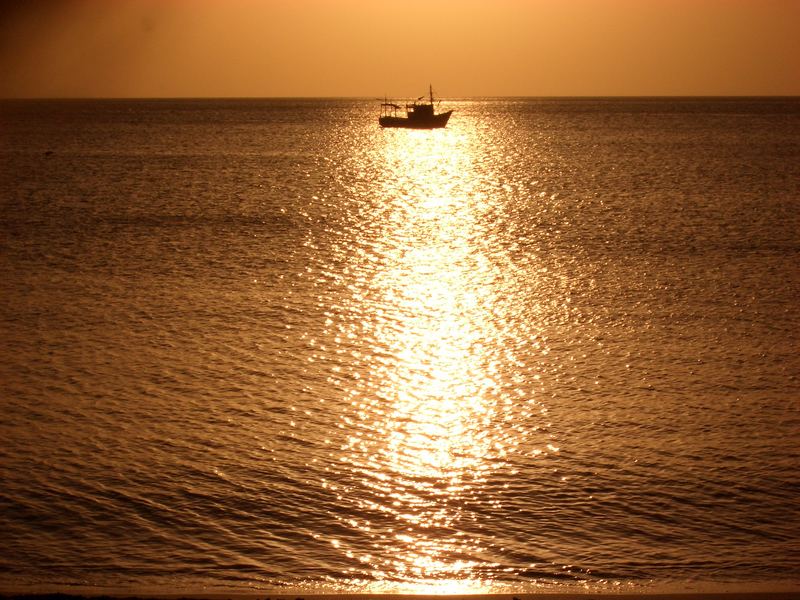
[420, 114]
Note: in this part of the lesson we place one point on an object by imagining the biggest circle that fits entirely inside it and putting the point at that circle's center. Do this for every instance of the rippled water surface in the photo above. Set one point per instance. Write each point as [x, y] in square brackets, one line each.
[260, 344]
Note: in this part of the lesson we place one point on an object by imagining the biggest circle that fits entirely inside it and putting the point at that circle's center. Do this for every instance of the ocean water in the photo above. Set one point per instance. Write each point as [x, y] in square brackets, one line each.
[264, 344]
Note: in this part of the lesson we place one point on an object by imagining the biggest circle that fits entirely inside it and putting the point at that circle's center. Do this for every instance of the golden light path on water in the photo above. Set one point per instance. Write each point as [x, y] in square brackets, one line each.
[435, 409]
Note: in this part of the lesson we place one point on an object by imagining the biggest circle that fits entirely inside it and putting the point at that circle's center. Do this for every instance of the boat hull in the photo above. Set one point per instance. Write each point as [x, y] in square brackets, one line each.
[428, 122]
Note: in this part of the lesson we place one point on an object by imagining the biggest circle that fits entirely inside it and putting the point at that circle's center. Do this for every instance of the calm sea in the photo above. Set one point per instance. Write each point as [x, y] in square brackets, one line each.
[249, 345]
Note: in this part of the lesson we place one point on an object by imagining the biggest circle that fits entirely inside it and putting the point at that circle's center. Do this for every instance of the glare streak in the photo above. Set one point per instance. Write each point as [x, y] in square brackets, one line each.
[432, 423]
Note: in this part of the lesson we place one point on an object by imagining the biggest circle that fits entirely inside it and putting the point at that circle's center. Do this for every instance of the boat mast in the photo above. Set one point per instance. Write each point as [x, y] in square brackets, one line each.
[430, 91]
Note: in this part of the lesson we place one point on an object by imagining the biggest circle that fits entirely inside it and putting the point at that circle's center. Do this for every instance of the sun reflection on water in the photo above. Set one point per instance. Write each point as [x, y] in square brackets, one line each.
[432, 417]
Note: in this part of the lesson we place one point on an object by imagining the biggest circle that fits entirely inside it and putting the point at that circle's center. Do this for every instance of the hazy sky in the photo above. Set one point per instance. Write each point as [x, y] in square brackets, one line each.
[174, 48]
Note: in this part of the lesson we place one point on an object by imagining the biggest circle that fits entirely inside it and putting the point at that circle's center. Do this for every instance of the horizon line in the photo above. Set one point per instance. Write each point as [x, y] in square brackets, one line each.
[470, 97]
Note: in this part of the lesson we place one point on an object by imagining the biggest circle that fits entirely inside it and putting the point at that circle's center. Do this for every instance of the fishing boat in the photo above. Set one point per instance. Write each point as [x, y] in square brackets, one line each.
[420, 114]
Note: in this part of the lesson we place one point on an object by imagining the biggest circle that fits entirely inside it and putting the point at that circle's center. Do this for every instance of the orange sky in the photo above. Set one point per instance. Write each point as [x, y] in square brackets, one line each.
[254, 48]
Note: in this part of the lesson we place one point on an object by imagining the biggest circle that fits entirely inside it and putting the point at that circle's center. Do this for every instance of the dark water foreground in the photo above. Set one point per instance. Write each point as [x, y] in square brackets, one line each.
[254, 345]
[534, 596]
